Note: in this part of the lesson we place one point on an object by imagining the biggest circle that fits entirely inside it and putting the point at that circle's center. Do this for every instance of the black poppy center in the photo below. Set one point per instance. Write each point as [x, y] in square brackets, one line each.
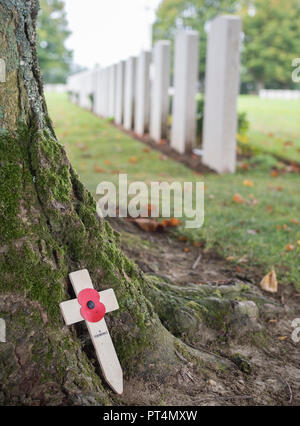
[90, 304]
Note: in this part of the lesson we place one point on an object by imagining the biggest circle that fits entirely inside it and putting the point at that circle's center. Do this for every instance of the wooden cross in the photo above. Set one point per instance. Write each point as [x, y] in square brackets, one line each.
[81, 308]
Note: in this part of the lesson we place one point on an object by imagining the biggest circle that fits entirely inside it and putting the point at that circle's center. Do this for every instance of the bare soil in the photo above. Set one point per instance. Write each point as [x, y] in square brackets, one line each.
[275, 365]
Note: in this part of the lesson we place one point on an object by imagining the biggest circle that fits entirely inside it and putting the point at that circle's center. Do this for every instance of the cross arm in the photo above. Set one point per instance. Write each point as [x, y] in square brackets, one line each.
[71, 308]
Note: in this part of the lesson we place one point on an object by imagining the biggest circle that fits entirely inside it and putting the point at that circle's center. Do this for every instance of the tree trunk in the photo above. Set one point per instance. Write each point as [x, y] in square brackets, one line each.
[49, 228]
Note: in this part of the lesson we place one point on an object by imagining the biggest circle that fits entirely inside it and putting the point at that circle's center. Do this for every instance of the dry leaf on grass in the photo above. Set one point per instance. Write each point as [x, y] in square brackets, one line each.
[248, 183]
[98, 169]
[148, 225]
[290, 247]
[269, 282]
[237, 198]
[152, 225]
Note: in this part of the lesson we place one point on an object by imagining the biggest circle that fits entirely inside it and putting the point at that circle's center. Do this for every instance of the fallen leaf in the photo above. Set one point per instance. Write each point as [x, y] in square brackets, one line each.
[269, 282]
[170, 222]
[132, 160]
[282, 338]
[146, 150]
[245, 166]
[182, 238]
[237, 198]
[198, 244]
[298, 242]
[279, 188]
[273, 321]
[98, 169]
[290, 247]
[274, 173]
[186, 250]
[295, 221]
[248, 183]
[230, 258]
[270, 209]
[163, 142]
[148, 225]
[107, 162]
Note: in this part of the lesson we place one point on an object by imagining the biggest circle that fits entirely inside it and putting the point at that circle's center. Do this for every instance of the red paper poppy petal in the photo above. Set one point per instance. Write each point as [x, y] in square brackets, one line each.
[88, 294]
[93, 315]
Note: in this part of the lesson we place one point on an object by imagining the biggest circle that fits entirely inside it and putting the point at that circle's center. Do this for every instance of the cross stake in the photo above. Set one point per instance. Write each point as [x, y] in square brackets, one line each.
[82, 308]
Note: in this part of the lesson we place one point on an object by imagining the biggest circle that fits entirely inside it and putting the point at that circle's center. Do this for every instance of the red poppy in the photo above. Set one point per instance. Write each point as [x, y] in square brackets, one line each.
[92, 309]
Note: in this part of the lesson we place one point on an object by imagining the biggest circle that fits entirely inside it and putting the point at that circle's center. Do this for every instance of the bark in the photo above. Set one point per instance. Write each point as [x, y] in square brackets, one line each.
[49, 228]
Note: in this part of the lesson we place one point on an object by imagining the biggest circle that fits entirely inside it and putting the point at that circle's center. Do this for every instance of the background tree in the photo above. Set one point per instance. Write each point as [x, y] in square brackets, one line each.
[54, 58]
[271, 35]
[174, 15]
[271, 42]
[49, 228]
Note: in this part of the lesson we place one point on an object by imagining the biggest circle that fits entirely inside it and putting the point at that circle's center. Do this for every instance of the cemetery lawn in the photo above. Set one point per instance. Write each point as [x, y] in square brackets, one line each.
[252, 218]
[274, 126]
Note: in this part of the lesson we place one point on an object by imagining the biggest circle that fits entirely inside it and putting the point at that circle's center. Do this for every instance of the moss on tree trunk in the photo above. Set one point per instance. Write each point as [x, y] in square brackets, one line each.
[49, 228]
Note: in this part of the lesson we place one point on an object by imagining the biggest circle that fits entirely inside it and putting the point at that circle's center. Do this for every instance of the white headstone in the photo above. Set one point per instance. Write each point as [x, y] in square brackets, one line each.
[112, 90]
[119, 112]
[2, 71]
[106, 93]
[183, 137]
[142, 104]
[2, 330]
[221, 92]
[129, 101]
[160, 90]
[102, 93]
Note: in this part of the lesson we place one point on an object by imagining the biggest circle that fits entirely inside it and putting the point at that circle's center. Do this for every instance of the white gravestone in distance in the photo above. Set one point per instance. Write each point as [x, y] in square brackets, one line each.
[129, 101]
[112, 91]
[98, 92]
[160, 90]
[183, 137]
[2, 71]
[2, 330]
[106, 93]
[119, 113]
[142, 104]
[91, 305]
[221, 92]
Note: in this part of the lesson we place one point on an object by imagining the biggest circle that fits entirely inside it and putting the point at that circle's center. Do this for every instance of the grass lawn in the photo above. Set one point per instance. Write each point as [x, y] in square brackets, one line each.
[274, 125]
[254, 236]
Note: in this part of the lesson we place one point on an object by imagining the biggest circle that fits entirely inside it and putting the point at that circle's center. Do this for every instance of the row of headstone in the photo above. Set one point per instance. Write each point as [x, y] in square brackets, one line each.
[136, 93]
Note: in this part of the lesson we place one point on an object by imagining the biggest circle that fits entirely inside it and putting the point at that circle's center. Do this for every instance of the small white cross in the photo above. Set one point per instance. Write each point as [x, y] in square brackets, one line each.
[106, 354]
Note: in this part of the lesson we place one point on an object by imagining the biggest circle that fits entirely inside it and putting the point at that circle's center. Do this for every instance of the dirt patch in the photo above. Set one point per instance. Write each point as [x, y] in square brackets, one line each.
[272, 356]
[190, 160]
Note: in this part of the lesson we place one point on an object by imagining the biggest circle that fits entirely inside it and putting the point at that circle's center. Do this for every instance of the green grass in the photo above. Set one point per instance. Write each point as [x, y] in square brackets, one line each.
[274, 126]
[229, 227]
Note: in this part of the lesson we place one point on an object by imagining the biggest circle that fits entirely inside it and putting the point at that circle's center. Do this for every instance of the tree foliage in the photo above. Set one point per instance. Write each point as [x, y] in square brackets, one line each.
[271, 34]
[271, 42]
[174, 15]
[54, 57]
